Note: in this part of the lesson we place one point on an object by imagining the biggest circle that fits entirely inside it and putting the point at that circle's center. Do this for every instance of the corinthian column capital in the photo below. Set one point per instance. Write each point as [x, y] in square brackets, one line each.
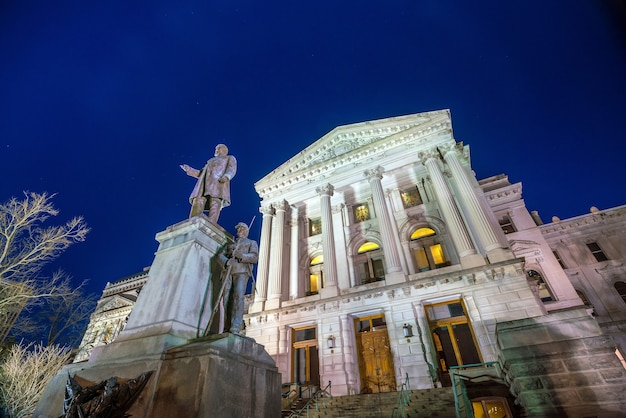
[428, 154]
[281, 205]
[374, 173]
[267, 210]
[326, 190]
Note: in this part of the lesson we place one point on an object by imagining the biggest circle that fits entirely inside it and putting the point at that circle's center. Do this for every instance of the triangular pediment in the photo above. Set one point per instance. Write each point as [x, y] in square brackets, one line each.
[115, 302]
[351, 144]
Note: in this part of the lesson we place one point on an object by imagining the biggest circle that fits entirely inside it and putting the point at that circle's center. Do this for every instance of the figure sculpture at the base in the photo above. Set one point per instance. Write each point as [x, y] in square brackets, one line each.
[107, 399]
[239, 260]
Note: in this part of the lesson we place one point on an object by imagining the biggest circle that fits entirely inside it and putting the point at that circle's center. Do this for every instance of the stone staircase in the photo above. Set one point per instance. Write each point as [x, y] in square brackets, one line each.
[422, 403]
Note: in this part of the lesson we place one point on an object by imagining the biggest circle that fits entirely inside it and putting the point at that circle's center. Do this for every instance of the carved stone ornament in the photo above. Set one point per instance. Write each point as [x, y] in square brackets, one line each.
[326, 190]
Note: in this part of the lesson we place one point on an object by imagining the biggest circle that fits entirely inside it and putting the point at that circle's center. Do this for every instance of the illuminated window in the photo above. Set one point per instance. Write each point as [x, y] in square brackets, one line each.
[492, 407]
[427, 251]
[507, 225]
[422, 232]
[361, 212]
[411, 197]
[597, 251]
[369, 262]
[315, 226]
[545, 294]
[316, 275]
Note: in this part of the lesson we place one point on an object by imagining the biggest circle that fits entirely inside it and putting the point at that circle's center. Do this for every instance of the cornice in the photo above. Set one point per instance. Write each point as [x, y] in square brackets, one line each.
[591, 220]
[135, 281]
[513, 190]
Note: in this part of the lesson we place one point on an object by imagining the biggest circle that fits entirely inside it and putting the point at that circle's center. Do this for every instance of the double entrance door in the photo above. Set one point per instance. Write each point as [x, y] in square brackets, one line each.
[375, 361]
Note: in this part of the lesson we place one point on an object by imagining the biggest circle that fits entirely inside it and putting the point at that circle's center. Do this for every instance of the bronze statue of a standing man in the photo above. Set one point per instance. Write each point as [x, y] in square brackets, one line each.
[212, 190]
[240, 258]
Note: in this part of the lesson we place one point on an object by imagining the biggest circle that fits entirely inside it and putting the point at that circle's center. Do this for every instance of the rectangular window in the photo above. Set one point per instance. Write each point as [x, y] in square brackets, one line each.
[421, 259]
[361, 212]
[558, 258]
[506, 224]
[597, 251]
[315, 226]
[411, 197]
[437, 253]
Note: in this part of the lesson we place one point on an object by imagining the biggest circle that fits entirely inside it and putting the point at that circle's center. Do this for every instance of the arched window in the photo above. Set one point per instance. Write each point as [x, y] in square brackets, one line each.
[427, 250]
[369, 263]
[316, 275]
[621, 289]
[545, 294]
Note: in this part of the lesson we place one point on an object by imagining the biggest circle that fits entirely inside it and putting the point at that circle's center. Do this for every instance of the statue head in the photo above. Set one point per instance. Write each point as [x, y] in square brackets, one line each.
[221, 149]
[242, 229]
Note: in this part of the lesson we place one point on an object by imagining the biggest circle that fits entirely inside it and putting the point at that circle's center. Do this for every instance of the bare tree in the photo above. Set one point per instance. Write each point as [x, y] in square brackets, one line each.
[66, 316]
[26, 247]
[58, 319]
[24, 373]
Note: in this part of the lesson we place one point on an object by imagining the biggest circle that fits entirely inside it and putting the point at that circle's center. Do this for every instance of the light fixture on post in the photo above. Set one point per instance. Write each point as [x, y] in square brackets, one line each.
[407, 330]
[331, 343]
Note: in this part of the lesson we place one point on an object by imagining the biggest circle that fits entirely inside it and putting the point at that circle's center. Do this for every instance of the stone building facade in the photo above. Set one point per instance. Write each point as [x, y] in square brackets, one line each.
[111, 313]
[382, 258]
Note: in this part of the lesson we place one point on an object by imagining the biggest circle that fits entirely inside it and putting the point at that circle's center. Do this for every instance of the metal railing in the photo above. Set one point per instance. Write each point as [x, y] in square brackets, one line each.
[320, 396]
[404, 399]
[459, 390]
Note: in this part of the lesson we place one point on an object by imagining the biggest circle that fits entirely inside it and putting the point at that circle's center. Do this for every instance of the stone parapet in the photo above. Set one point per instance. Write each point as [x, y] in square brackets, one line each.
[562, 365]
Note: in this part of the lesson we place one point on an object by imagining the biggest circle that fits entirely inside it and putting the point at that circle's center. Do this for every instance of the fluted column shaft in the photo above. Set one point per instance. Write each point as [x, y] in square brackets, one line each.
[264, 255]
[475, 211]
[392, 258]
[328, 238]
[294, 267]
[450, 211]
[274, 290]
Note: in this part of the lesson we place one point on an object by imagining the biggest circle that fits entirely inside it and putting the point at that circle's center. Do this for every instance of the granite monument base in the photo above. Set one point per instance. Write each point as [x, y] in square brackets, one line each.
[223, 375]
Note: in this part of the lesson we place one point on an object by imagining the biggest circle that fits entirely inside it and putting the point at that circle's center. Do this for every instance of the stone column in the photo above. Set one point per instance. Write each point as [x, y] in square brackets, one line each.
[475, 211]
[328, 240]
[421, 187]
[392, 257]
[294, 267]
[460, 236]
[274, 290]
[260, 295]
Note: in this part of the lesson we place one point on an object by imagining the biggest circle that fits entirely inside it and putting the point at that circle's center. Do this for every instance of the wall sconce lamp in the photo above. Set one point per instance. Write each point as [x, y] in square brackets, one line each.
[407, 330]
[331, 343]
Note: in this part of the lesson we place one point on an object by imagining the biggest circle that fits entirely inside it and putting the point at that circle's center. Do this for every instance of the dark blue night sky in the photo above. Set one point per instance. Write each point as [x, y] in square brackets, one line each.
[101, 101]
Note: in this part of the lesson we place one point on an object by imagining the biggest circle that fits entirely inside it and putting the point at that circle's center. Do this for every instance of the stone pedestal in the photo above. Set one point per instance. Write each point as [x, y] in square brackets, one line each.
[223, 375]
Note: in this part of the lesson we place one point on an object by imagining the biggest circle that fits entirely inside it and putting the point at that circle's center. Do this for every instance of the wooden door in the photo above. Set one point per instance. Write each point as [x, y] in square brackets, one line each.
[376, 362]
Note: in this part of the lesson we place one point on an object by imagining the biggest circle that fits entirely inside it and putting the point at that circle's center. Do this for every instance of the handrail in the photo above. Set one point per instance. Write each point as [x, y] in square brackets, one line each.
[457, 407]
[403, 399]
[320, 393]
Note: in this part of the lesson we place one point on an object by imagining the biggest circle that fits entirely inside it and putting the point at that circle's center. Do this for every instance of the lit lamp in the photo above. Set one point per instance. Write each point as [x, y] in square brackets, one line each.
[331, 343]
[407, 330]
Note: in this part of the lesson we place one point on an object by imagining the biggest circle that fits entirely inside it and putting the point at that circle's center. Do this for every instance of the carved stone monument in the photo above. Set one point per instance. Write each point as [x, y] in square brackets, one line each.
[217, 375]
